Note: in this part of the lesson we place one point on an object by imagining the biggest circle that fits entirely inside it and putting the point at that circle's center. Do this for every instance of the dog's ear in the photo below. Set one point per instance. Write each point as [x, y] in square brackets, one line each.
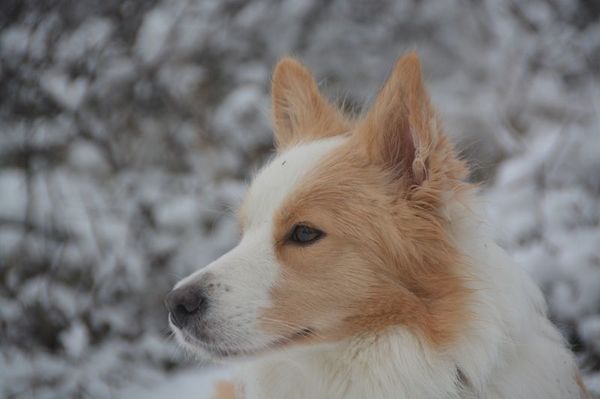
[400, 129]
[300, 112]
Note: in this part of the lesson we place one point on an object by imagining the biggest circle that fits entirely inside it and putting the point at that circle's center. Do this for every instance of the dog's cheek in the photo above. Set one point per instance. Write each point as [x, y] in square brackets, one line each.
[314, 288]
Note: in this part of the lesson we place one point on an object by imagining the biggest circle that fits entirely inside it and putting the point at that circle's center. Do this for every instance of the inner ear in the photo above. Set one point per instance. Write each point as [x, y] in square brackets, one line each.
[399, 131]
[300, 112]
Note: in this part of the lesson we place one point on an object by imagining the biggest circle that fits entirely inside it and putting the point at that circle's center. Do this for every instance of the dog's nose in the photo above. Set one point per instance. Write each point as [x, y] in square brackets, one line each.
[184, 303]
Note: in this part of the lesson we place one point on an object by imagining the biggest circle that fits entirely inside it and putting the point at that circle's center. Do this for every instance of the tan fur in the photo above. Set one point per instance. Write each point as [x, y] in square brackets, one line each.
[584, 392]
[225, 390]
[300, 112]
[387, 258]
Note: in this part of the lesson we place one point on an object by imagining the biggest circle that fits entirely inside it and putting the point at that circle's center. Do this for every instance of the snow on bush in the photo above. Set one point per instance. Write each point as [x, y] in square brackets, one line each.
[128, 131]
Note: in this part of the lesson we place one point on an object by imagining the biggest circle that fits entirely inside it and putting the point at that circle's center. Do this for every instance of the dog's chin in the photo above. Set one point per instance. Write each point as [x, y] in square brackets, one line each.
[225, 352]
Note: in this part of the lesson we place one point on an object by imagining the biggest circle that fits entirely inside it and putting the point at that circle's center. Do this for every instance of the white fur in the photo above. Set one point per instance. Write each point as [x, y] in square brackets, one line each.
[509, 351]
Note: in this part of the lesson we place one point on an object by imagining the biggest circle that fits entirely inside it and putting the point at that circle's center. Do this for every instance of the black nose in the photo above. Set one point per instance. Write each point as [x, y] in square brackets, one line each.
[184, 304]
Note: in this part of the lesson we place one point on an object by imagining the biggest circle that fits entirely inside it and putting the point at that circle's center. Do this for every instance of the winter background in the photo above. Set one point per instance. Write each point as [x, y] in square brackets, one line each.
[129, 129]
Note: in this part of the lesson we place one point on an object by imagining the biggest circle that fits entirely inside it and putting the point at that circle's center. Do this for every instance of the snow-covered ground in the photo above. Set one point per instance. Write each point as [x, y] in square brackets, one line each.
[128, 131]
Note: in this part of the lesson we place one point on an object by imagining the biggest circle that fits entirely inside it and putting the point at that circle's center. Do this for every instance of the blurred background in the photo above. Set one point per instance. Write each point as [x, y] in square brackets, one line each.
[129, 128]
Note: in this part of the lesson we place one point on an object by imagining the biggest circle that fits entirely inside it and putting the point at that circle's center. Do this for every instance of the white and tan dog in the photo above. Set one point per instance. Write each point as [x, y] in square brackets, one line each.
[364, 269]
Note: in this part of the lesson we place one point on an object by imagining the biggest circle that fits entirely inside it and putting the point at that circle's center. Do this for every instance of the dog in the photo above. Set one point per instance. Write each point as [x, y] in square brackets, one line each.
[366, 269]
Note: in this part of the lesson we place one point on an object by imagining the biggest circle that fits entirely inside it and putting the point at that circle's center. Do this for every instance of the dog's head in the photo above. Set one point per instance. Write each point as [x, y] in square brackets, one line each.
[343, 232]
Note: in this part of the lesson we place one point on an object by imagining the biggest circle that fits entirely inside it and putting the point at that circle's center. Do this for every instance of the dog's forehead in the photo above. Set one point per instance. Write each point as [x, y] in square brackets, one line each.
[281, 176]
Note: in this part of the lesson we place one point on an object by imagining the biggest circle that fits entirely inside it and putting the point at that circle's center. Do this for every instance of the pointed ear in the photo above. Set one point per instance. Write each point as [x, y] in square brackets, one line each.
[300, 112]
[400, 129]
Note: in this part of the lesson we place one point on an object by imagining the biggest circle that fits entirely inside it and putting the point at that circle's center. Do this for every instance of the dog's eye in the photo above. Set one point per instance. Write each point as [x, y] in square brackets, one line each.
[302, 234]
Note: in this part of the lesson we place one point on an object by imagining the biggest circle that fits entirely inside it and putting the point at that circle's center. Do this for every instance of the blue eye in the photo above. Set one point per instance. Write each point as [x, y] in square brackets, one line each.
[304, 235]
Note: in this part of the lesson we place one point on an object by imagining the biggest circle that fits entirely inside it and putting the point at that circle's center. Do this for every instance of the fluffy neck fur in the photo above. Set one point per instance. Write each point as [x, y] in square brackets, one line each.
[509, 349]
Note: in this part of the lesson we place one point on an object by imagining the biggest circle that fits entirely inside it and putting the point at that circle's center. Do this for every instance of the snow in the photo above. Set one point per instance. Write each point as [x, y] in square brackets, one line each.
[91, 36]
[67, 92]
[241, 111]
[14, 41]
[86, 157]
[129, 131]
[75, 340]
[189, 384]
[153, 34]
[13, 187]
